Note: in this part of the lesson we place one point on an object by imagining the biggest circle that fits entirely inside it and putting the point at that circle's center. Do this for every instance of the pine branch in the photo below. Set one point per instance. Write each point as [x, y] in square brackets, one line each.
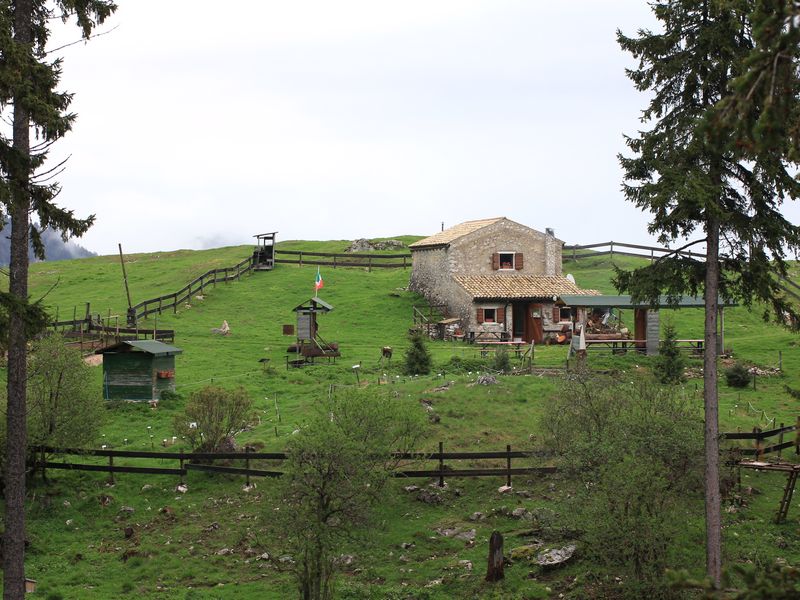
[83, 39]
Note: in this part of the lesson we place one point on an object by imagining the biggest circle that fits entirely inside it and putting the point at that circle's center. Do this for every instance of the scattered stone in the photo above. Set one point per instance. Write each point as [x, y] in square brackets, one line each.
[166, 510]
[345, 560]
[524, 493]
[555, 557]
[182, 488]
[477, 516]
[504, 489]
[248, 488]
[364, 245]
[127, 509]
[433, 583]
[105, 499]
[467, 564]
[146, 487]
[128, 532]
[519, 513]
[434, 418]
[486, 380]
[67, 504]
[224, 552]
[456, 533]
[411, 488]
[264, 556]
[286, 560]
[213, 527]
[408, 545]
[68, 522]
[430, 496]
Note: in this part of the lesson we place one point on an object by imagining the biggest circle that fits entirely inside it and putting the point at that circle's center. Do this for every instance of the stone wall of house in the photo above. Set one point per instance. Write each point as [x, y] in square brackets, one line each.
[472, 253]
[430, 277]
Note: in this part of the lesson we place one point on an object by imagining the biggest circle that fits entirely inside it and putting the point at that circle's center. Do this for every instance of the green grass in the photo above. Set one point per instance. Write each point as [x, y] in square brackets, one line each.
[78, 548]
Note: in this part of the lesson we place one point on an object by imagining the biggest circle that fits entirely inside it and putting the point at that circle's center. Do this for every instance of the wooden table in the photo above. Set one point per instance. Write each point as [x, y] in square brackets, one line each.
[618, 346]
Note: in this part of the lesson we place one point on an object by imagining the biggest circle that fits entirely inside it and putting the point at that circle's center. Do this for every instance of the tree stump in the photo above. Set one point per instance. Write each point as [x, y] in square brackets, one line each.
[494, 571]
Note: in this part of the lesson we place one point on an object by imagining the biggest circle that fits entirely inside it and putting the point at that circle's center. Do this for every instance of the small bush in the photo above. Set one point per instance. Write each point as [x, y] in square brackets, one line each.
[418, 359]
[169, 396]
[738, 376]
[501, 362]
[212, 415]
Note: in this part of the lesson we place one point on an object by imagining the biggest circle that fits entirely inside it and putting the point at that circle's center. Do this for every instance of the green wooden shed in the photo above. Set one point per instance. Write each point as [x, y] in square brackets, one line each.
[138, 370]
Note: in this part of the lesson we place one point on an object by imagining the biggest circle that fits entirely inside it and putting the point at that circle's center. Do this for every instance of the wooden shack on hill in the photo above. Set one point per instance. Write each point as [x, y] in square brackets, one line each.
[310, 344]
[138, 370]
[264, 252]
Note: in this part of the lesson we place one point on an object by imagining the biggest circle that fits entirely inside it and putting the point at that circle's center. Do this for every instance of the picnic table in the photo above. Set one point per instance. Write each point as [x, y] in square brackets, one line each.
[617, 346]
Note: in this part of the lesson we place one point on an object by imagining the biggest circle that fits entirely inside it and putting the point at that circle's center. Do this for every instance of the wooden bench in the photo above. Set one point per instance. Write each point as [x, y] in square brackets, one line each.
[618, 346]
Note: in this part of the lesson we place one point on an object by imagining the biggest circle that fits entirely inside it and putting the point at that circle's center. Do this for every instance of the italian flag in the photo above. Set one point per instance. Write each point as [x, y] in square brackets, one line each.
[318, 283]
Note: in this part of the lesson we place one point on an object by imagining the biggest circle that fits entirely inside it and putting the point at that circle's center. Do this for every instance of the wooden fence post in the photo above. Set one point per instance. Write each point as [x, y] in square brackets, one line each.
[759, 443]
[300, 260]
[441, 464]
[508, 465]
[780, 443]
[494, 570]
[111, 470]
[369, 265]
[334, 261]
[247, 464]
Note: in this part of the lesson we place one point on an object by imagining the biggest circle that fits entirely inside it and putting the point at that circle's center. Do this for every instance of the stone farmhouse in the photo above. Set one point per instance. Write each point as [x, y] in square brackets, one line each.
[500, 278]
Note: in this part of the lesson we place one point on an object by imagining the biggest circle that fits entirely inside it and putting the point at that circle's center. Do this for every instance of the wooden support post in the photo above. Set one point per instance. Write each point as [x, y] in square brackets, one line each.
[405, 265]
[180, 464]
[508, 465]
[780, 443]
[494, 570]
[247, 464]
[300, 260]
[797, 436]
[111, 470]
[441, 464]
[369, 265]
[759, 443]
[334, 261]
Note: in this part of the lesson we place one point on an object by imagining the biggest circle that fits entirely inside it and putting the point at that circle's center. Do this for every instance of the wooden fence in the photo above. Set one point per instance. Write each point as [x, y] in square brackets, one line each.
[90, 332]
[42, 456]
[332, 259]
[574, 251]
[196, 286]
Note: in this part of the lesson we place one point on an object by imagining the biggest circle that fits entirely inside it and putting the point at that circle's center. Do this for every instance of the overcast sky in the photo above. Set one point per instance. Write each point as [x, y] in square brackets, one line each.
[203, 123]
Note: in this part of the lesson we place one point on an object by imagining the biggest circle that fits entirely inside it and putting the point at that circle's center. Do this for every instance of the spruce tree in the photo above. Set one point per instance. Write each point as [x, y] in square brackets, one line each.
[417, 359]
[670, 362]
[696, 175]
[30, 100]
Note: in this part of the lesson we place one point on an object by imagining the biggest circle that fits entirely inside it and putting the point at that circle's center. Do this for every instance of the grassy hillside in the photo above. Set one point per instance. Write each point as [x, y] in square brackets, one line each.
[78, 549]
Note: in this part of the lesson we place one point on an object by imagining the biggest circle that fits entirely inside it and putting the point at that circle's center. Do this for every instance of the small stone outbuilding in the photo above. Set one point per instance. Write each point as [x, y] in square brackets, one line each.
[138, 370]
[501, 278]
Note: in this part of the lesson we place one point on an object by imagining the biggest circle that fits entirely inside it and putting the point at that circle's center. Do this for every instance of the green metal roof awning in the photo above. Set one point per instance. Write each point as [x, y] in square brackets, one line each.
[153, 347]
[612, 301]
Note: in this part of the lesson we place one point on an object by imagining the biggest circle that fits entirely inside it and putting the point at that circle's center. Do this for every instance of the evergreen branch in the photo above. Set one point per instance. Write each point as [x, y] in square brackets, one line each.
[83, 39]
[678, 251]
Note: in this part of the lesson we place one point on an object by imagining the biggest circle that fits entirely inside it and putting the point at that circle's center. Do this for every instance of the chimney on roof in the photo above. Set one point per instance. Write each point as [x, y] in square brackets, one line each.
[442, 225]
[550, 231]
[552, 253]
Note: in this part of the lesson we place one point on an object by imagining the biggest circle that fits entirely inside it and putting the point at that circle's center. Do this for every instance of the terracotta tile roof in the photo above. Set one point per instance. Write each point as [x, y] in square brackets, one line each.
[453, 233]
[518, 286]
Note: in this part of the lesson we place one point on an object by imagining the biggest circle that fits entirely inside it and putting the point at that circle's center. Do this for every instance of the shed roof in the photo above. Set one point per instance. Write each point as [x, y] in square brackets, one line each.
[503, 287]
[153, 347]
[626, 301]
[314, 304]
[453, 233]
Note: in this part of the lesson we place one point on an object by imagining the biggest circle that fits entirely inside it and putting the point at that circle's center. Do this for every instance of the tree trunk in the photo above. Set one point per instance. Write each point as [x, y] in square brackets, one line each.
[711, 402]
[16, 436]
[494, 570]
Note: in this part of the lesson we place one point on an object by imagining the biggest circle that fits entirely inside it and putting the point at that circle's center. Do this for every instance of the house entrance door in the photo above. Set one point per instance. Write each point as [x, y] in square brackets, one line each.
[534, 319]
[528, 322]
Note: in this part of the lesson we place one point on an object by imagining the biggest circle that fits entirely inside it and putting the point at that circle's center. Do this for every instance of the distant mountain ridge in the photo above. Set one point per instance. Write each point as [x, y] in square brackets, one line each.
[55, 248]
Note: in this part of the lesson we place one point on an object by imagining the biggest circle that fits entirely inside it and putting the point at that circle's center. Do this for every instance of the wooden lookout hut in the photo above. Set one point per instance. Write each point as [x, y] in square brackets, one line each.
[138, 370]
[309, 343]
[264, 253]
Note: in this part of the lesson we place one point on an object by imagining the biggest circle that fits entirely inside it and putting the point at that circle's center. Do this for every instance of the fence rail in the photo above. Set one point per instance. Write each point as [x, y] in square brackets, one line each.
[334, 259]
[442, 471]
